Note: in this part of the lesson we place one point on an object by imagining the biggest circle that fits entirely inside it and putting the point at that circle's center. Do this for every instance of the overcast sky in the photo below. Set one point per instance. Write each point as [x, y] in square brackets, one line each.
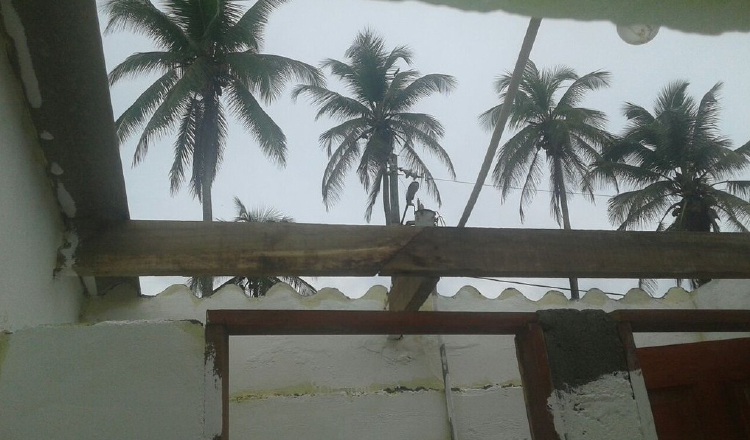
[473, 47]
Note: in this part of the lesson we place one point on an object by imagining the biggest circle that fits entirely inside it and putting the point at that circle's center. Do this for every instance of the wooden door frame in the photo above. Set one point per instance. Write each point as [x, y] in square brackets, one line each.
[534, 366]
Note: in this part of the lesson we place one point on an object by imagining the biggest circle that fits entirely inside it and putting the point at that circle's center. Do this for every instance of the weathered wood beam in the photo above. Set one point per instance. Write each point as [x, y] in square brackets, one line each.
[337, 322]
[237, 248]
[409, 293]
[138, 247]
[685, 320]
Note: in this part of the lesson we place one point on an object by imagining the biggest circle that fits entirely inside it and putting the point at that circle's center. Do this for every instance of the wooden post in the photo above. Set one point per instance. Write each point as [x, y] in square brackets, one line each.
[536, 378]
[576, 372]
[216, 382]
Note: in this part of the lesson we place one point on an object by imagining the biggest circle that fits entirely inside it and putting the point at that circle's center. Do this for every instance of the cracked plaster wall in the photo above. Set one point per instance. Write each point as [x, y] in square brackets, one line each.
[31, 227]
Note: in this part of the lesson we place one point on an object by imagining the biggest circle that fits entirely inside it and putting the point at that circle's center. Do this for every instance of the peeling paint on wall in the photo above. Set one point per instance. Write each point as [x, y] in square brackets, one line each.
[14, 27]
[66, 253]
[67, 203]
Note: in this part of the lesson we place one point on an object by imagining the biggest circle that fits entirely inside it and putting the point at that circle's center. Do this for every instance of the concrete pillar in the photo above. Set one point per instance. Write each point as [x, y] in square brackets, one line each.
[581, 378]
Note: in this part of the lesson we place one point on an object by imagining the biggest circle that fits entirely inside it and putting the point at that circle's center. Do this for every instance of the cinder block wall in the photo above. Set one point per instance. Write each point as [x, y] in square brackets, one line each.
[370, 387]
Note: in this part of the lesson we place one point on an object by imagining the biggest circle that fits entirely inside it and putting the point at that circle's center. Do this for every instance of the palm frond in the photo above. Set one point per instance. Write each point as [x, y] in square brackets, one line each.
[184, 144]
[420, 88]
[172, 105]
[143, 17]
[254, 119]
[144, 63]
[247, 32]
[259, 214]
[332, 104]
[135, 115]
[372, 195]
[637, 208]
[339, 163]
[348, 133]
[210, 139]
[412, 160]
[577, 90]
[268, 74]
[514, 159]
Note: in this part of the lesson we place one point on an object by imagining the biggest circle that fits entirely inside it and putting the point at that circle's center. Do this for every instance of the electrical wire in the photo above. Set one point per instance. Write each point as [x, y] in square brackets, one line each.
[537, 285]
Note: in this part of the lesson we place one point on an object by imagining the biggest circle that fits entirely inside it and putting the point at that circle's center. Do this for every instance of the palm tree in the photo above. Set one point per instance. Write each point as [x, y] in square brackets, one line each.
[258, 286]
[209, 63]
[679, 165]
[377, 122]
[569, 137]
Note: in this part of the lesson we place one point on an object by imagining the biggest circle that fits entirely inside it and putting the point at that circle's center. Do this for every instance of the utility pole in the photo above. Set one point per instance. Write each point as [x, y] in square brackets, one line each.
[393, 180]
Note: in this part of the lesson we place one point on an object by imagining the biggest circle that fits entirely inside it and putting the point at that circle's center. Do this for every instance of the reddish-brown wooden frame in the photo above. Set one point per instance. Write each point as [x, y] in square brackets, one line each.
[532, 355]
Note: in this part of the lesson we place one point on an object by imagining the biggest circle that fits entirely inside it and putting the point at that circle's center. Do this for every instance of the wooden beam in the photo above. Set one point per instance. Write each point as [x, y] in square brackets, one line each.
[691, 320]
[237, 248]
[536, 377]
[409, 293]
[328, 322]
[139, 248]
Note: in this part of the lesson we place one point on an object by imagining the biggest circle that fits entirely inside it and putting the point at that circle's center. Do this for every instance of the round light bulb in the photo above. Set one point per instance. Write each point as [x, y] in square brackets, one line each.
[637, 33]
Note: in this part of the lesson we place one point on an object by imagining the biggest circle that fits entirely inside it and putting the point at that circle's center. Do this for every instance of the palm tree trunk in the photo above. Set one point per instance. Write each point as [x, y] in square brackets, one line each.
[574, 292]
[386, 198]
[206, 201]
[510, 95]
[206, 284]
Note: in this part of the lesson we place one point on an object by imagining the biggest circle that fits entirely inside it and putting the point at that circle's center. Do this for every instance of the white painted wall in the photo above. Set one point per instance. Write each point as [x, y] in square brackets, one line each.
[31, 229]
[370, 387]
[120, 381]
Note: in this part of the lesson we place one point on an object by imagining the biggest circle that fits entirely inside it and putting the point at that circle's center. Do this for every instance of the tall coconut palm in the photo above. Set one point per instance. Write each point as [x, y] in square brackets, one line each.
[680, 166]
[258, 286]
[377, 121]
[209, 64]
[568, 137]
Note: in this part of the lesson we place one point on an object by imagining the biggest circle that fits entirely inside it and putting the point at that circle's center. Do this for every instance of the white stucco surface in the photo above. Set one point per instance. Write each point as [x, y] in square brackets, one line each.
[603, 409]
[137, 380]
[480, 415]
[31, 229]
[367, 387]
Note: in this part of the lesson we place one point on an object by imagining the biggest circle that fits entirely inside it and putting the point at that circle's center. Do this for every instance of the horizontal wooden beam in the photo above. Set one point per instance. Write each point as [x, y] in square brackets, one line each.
[336, 322]
[139, 248]
[658, 321]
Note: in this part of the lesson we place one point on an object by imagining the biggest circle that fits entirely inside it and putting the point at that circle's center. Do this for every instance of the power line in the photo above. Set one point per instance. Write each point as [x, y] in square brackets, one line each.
[545, 286]
[516, 187]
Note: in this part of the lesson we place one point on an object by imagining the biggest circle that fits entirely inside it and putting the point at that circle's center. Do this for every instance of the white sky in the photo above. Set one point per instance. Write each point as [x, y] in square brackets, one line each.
[473, 47]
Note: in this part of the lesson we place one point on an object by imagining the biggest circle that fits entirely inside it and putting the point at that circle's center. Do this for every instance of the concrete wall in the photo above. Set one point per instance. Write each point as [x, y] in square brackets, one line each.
[123, 381]
[370, 387]
[31, 229]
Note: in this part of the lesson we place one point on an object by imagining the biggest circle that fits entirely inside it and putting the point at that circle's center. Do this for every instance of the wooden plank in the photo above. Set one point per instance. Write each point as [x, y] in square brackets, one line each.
[409, 293]
[690, 320]
[238, 248]
[217, 351]
[326, 322]
[557, 253]
[640, 391]
[138, 248]
[536, 378]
